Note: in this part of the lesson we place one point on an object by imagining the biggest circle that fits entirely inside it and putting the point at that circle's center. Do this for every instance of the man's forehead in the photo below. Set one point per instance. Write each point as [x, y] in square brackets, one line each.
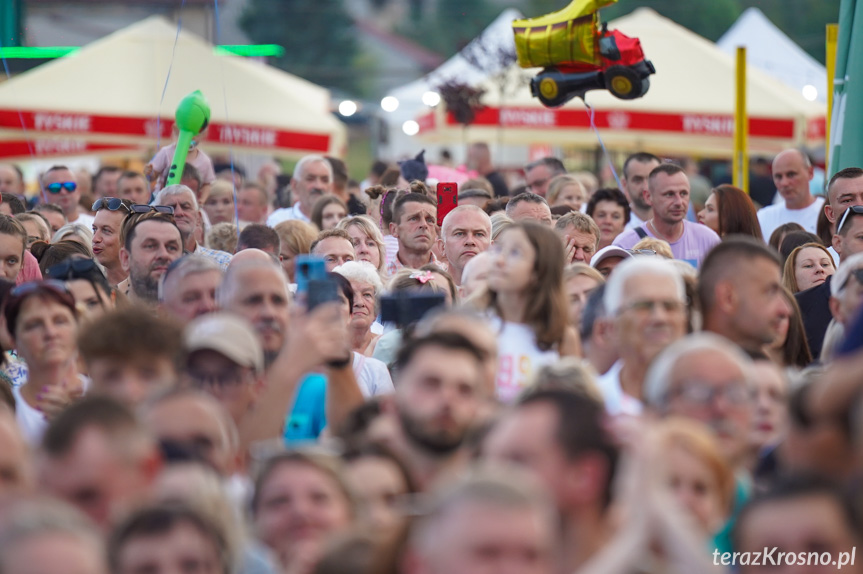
[416, 206]
[650, 283]
[846, 185]
[665, 181]
[468, 219]
[60, 175]
[706, 365]
[641, 167]
[155, 228]
[176, 199]
[317, 168]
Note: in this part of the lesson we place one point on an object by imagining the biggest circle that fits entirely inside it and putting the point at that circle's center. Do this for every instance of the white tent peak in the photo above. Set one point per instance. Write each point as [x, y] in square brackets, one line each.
[771, 50]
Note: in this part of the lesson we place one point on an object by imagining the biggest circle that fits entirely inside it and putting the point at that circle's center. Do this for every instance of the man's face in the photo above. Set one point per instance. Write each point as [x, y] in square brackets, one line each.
[192, 295]
[843, 194]
[9, 181]
[181, 550]
[669, 197]
[67, 200]
[417, 228]
[135, 189]
[529, 211]
[635, 182]
[437, 398]
[848, 301]
[155, 246]
[850, 241]
[538, 178]
[468, 234]
[106, 236]
[791, 176]
[106, 185]
[708, 386]
[653, 316]
[185, 213]
[132, 381]
[96, 478]
[53, 553]
[578, 289]
[780, 524]
[233, 385]
[261, 297]
[527, 437]
[335, 251]
[252, 205]
[311, 185]
[583, 244]
[482, 538]
[607, 265]
[760, 307]
[193, 423]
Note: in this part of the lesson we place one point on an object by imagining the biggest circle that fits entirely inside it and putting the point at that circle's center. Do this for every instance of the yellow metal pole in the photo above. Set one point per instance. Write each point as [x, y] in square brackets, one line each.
[832, 41]
[741, 125]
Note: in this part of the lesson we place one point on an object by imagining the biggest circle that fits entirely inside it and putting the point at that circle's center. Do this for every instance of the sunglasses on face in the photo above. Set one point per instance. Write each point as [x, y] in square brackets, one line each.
[144, 208]
[109, 203]
[69, 186]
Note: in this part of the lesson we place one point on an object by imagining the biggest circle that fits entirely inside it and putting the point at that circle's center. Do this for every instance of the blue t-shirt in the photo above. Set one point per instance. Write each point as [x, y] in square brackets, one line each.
[308, 417]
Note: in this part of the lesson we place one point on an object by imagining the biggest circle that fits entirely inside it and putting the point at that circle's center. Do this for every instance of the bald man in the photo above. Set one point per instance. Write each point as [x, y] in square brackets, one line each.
[792, 172]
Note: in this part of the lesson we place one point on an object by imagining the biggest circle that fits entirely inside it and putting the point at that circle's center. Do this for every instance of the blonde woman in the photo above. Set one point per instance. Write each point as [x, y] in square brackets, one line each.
[566, 190]
[368, 241]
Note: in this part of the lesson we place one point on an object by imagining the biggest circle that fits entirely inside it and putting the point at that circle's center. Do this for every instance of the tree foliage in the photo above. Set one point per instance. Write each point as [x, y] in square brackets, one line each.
[318, 36]
[448, 25]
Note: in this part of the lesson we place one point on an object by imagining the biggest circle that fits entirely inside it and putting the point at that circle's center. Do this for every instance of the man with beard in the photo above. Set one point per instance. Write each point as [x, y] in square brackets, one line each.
[439, 392]
[466, 232]
[636, 168]
[151, 242]
[186, 214]
[415, 226]
[668, 195]
[313, 177]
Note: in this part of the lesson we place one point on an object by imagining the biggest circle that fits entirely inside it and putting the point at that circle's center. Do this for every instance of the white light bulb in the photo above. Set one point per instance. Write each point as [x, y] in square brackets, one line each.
[411, 128]
[347, 108]
[389, 104]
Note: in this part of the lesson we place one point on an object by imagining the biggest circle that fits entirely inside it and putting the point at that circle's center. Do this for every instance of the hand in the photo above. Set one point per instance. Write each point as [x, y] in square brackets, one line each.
[53, 399]
[148, 170]
[318, 336]
[569, 250]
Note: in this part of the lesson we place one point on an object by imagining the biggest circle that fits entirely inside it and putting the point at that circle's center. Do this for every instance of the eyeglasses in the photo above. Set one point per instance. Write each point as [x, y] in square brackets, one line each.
[856, 274]
[110, 203]
[647, 306]
[144, 208]
[702, 394]
[855, 209]
[69, 186]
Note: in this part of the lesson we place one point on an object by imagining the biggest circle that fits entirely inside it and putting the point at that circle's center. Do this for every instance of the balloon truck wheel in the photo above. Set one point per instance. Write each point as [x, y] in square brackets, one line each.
[623, 83]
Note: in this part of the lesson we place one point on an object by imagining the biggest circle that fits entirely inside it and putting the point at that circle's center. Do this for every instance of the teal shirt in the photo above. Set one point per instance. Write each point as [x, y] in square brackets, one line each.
[742, 494]
[308, 417]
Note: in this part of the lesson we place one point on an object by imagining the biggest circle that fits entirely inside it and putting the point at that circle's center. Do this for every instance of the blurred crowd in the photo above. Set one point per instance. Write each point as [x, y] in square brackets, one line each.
[304, 373]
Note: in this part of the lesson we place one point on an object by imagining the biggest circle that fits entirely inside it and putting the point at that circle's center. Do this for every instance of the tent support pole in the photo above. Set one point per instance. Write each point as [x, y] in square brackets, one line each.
[741, 125]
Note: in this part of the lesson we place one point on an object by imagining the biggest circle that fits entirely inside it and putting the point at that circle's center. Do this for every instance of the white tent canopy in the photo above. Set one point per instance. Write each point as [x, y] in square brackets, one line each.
[110, 94]
[689, 108]
[770, 50]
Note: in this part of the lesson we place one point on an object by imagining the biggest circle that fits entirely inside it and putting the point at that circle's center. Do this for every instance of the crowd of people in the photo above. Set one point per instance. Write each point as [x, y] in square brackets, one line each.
[555, 378]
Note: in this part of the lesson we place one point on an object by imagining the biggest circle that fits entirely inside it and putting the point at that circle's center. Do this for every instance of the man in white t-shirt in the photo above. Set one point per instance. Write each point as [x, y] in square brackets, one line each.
[312, 179]
[646, 303]
[61, 189]
[792, 172]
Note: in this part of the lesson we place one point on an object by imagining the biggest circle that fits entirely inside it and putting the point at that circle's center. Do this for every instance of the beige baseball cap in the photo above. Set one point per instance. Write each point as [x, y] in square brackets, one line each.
[228, 334]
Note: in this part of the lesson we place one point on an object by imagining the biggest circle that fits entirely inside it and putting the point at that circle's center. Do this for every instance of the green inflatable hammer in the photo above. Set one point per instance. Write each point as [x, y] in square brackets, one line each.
[193, 115]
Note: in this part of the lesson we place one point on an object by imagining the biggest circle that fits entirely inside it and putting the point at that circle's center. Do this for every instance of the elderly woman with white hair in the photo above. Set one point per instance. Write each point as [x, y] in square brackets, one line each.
[366, 283]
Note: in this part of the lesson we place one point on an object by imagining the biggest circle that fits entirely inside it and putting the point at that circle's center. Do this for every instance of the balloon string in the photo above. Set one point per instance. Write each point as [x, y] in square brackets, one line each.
[21, 121]
[227, 120]
[591, 114]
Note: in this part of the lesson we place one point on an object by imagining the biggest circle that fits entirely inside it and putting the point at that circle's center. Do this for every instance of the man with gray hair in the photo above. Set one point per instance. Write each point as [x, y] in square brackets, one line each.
[465, 233]
[186, 210]
[188, 287]
[313, 177]
[645, 302]
[488, 522]
[580, 236]
[706, 378]
[538, 174]
[529, 206]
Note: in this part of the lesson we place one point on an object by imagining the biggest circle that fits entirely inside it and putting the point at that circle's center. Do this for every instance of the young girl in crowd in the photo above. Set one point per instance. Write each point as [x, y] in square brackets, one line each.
[328, 212]
[527, 301]
[13, 243]
[729, 210]
[807, 266]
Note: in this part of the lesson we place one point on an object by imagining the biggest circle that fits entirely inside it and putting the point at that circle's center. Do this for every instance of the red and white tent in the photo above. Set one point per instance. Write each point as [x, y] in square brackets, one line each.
[106, 97]
[689, 108]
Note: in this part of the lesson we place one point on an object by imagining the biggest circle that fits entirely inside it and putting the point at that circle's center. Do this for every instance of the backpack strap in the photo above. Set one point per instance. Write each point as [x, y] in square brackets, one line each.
[640, 232]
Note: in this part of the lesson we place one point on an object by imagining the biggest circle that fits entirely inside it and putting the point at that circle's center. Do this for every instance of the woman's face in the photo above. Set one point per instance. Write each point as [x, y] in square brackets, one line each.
[578, 289]
[696, 488]
[608, 215]
[771, 411]
[380, 487]
[45, 332]
[571, 195]
[365, 246]
[288, 260]
[813, 267]
[89, 299]
[299, 506]
[11, 255]
[512, 261]
[363, 311]
[331, 215]
[709, 216]
[219, 207]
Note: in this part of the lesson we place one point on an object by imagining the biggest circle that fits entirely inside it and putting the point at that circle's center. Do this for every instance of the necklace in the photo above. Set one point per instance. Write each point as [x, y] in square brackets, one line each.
[661, 236]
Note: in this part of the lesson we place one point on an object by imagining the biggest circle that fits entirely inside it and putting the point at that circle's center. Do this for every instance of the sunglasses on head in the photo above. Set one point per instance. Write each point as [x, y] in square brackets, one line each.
[109, 203]
[72, 269]
[144, 208]
[855, 209]
[69, 186]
